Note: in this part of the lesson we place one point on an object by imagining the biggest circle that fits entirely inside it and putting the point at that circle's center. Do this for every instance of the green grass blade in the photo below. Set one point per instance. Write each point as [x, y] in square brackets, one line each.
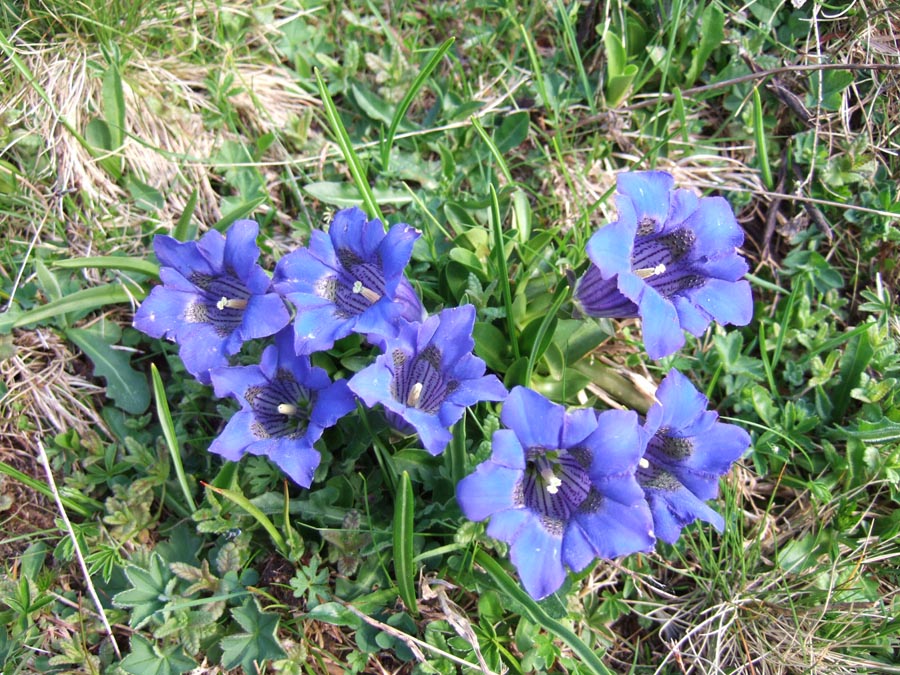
[110, 262]
[404, 568]
[495, 151]
[762, 147]
[414, 89]
[165, 419]
[241, 211]
[183, 226]
[503, 271]
[357, 171]
[560, 296]
[537, 615]
[79, 301]
[93, 506]
[575, 55]
[241, 501]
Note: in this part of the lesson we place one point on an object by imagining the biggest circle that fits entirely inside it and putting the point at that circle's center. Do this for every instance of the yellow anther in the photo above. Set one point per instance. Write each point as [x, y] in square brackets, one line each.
[287, 409]
[647, 272]
[231, 303]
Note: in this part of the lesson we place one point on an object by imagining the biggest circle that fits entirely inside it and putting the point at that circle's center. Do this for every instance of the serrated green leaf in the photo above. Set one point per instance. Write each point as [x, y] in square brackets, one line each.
[149, 590]
[127, 387]
[148, 659]
[259, 642]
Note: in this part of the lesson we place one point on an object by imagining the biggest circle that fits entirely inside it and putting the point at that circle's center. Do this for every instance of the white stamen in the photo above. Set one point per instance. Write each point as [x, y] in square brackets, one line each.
[647, 272]
[232, 303]
[651, 533]
[367, 293]
[415, 393]
[287, 408]
[551, 480]
[643, 463]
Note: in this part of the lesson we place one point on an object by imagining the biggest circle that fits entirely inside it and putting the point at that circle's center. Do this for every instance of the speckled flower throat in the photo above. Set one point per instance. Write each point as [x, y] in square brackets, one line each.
[223, 304]
[418, 382]
[556, 483]
[281, 408]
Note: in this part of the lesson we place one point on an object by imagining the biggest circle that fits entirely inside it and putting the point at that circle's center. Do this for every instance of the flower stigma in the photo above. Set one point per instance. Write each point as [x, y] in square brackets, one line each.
[415, 393]
[647, 272]
[231, 303]
[287, 409]
[367, 293]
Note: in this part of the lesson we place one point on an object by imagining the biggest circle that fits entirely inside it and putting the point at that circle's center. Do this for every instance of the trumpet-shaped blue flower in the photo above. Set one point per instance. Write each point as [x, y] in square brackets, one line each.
[671, 258]
[560, 488]
[349, 280]
[286, 404]
[688, 449]
[213, 297]
[428, 375]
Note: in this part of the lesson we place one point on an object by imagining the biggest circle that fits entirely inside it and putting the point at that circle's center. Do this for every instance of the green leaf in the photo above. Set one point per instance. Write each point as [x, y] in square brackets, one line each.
[712, 33]
[110, 262]
[183, 230]
[168, 426]
[258, 644]
[884, 430]
[347, 194]
[88, 299]
[113, 104]
[149, 592]
[856, 358]
[404, 569]
[240, 211]
[148, 659]
[127, 387]
[146, 197]
[513, 131]
[335, 614]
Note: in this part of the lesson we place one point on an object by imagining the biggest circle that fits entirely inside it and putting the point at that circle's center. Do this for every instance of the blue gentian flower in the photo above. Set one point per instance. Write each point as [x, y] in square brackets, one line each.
[671, 258]
[213, 297]
[286, 404]
[560, 488]
[428, 375]
[349, 280]
[688, 449]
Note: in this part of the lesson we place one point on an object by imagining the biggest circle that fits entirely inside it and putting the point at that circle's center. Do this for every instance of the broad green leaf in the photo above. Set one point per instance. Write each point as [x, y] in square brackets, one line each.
[884, 430]
[346, 194]
[258, 644]
[513, 131]
[145, 196]
[404, 569]
[148, 659]
[616, 57]
[127, 387]
[856, 358]
[336, 614]
[712, 33]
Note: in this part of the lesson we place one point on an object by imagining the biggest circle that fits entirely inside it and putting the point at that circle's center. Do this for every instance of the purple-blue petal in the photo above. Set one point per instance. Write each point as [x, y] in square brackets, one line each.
[649, 191]
[203, 351]
[577, 426]
[235, 381]
[674, 509]
[715, 227]
[680, 403]
[264, 315]
[162, 312]
[537, 421]
[659, 320]
[536, 554]
[610, 248]
[373, 383]
[433, 434]
[296, 457]
[727, 302]
[507, 450]
[487, 491]
[394, 252]
[236, 437]
[611, 531]
[241, 251]
[181, 256]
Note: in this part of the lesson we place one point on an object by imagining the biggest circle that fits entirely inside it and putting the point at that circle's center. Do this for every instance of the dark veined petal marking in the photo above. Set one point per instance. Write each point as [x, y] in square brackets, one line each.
[419, 383]
[224, 299]
[281, 407]
[555, 483]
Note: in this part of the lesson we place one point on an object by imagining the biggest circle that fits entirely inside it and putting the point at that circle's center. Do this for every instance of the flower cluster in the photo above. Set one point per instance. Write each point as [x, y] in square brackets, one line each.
[215, 296]
[561, 487]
